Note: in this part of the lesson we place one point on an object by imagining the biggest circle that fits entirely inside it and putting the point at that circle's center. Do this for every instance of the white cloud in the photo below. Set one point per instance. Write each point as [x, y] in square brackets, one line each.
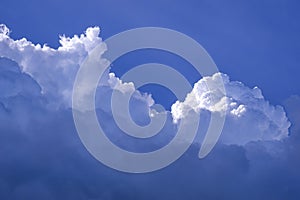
[42, 156]
[249, 116]
[53, 69]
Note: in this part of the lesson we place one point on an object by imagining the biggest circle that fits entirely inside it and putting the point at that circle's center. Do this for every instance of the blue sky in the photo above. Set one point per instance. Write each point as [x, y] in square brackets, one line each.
[254, 42]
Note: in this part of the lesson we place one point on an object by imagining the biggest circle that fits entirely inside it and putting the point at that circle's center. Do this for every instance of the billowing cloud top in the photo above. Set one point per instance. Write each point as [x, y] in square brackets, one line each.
[250, 116]
[40, 150]
[53, 69]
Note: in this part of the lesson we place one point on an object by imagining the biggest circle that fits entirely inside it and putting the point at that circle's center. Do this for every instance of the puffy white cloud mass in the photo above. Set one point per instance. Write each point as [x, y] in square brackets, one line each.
[53, 69]
[42, 156]
[249, 116]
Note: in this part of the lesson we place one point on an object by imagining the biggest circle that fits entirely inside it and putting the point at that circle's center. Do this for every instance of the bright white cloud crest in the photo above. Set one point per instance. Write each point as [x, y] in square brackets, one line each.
[249, 116]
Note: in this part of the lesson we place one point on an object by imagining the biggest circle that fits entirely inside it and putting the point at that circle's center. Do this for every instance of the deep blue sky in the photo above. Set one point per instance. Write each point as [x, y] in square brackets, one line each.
[256, 42]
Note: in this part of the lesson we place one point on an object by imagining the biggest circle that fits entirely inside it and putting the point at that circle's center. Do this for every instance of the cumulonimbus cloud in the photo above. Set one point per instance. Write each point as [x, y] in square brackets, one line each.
[249, 116]
[43, 158]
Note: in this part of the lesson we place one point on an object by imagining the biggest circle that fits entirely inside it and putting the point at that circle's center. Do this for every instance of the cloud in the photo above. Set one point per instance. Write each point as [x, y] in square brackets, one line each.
[53, 69]
[249, 117]
[292, 105]
[43, 158]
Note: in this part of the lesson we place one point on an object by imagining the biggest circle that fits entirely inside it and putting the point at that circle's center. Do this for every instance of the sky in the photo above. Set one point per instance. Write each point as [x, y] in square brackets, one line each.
[242, 37]
[255, 46]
